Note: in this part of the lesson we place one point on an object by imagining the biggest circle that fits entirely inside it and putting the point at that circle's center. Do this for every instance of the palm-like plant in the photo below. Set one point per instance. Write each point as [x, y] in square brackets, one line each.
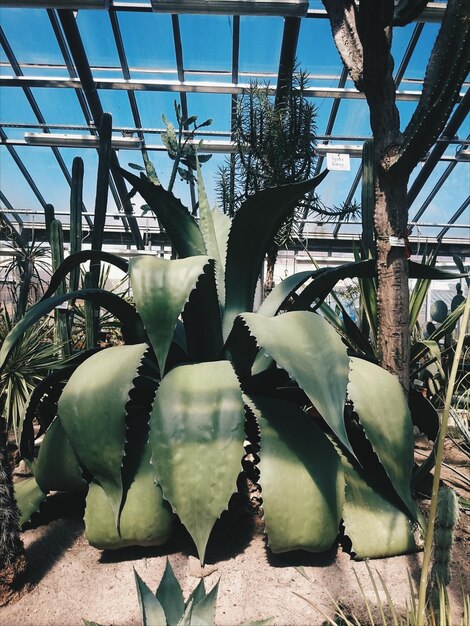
[30, 361]
[25, 274]
[161, 420]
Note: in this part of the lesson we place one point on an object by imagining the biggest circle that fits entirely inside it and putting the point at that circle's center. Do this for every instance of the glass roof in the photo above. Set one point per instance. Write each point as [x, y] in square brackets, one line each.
[139, 63]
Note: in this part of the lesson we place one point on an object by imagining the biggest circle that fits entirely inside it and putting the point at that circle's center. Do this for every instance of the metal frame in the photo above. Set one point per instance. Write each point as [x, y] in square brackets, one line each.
[86, 85]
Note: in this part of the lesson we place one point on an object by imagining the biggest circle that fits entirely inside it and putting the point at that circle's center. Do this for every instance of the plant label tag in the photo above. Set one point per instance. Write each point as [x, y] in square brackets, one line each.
[338, 162]
[397, 242]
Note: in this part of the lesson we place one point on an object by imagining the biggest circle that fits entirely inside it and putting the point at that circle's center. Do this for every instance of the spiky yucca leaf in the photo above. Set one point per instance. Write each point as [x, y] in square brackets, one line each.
[33, 355]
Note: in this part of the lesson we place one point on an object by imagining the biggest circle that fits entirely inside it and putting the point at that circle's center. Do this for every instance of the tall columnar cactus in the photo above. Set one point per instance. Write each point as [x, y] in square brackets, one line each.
[76, 218]
[49, 215]
[101, 203]
[57, 258]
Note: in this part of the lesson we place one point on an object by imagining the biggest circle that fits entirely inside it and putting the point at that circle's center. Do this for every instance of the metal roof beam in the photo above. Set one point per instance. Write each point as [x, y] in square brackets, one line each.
[415, 35]
[187, 86]
[183, 99]
[435, 156]
[77, 49]
[16, 234]
[125, 70]
[35, 107]
[454, 218]
[432, 13]
[434, 190]
[10, 208]
[23, 169]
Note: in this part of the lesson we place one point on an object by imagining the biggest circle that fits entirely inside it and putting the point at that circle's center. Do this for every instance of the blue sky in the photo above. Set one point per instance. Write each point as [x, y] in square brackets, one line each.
[206, 46]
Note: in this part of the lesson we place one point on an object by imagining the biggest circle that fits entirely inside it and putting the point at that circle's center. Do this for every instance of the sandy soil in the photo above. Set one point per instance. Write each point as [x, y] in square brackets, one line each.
[68, 580]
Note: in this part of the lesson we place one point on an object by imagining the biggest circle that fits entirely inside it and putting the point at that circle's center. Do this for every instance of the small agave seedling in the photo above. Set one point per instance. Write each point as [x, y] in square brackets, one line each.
[167, 605]
[157, 427]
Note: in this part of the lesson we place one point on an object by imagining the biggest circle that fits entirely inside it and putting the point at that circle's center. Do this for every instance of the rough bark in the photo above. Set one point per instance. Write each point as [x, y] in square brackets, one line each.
[363, 35]
[390, 220]
[12, 555]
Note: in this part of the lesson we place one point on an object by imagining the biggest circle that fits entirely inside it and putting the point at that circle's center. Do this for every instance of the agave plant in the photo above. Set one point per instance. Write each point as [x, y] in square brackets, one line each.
[156, 427]
[167, 605]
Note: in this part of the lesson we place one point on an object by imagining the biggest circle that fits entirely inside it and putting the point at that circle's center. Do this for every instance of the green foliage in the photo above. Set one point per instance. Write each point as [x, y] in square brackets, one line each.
[31, 358]
[161, 420]
[23, 275]
[275, 141]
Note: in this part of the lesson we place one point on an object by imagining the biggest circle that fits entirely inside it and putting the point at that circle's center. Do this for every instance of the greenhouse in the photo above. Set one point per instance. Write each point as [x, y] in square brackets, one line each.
[234, 317]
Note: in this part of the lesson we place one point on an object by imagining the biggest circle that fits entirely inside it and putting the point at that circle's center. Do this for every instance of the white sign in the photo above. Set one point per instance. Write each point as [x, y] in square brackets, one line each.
[338, 161]
[398, 242]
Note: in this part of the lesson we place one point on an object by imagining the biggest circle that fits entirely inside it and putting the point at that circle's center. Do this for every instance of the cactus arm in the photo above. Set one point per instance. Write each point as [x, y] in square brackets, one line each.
[407, 10]
[343, 18]
[447, 69]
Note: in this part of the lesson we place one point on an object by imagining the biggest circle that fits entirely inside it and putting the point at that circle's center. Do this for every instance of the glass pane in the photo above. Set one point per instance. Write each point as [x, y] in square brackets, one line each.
[59, 106]
[30, 35]
[153, 47]
[152, 104]
[260, 43]
[316, 51]
[117, 103]
[97, 36]
[14, 106]
[213, 51]
[213, 106]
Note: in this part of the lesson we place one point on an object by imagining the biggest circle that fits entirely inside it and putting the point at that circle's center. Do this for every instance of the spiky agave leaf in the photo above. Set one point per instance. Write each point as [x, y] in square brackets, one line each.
[181, 227]
[29, 496]
[151, 610]
[73, 262]
[92, 409]
[376, 527]
[312, 353]
[198, 420]
[126, 313]
[253, 229]
[161, 290]
[170, 596]
[215, 228]
[301, 478]
[384, 414]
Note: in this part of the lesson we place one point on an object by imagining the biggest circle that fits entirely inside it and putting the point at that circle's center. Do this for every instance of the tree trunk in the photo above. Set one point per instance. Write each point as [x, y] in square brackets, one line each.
[12, 555]
[392, 276]
[271, 258]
